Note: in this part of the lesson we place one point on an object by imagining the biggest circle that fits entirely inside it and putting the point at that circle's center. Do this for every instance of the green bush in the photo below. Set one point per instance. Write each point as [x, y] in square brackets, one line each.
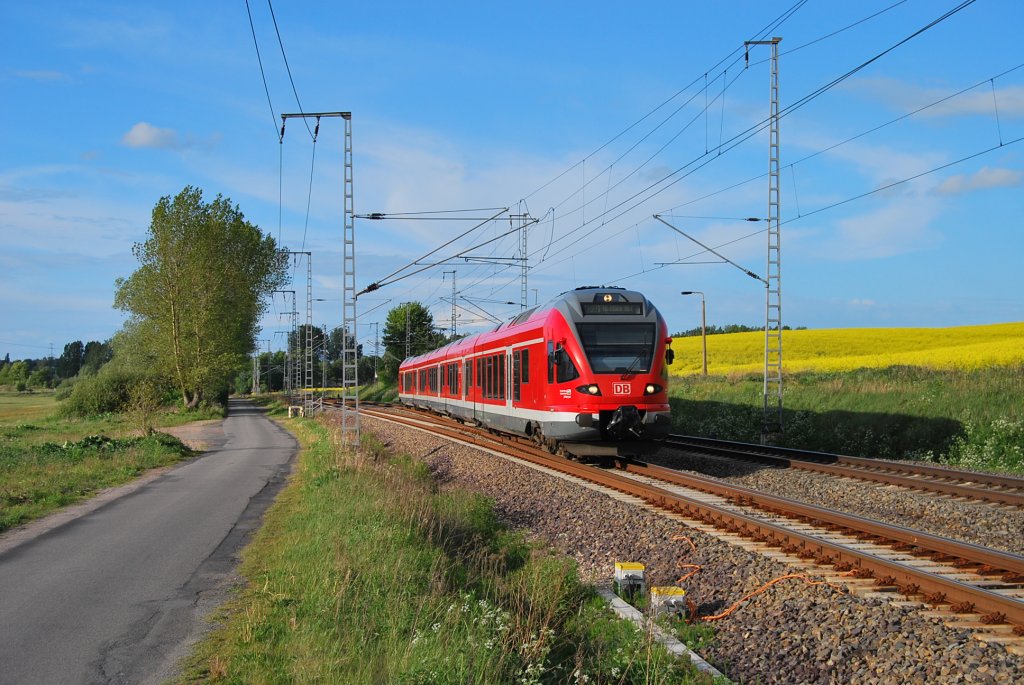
[109, 391]
[997, 445]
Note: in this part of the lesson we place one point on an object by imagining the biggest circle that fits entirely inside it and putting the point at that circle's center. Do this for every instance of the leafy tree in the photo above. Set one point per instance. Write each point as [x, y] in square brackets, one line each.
[42, 377]
[196, 299]
[408, 326]
[96, 354]
[70, 362]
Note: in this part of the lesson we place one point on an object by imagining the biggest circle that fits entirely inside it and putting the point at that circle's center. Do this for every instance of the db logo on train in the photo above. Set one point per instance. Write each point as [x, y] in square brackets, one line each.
[620, 388]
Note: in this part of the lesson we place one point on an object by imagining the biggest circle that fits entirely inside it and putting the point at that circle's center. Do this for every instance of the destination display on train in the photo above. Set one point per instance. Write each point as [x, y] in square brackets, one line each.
[612, 308]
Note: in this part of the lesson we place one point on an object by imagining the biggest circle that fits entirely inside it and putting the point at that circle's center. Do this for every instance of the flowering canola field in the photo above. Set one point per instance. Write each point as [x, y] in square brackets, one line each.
[845, 349]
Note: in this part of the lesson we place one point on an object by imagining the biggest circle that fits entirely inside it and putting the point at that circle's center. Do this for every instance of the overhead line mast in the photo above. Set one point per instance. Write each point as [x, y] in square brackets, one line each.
[350, 361]
[772, 426]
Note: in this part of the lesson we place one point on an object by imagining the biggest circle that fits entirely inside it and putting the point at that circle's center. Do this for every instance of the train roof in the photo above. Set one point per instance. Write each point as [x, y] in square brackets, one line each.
[610, 302]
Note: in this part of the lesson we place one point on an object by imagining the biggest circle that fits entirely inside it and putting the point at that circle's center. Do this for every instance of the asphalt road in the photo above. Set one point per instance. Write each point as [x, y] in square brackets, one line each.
[119, 594]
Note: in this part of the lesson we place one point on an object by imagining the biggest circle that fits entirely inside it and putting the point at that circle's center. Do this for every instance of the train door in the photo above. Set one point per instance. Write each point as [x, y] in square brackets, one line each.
[506, 363]
[473, 386]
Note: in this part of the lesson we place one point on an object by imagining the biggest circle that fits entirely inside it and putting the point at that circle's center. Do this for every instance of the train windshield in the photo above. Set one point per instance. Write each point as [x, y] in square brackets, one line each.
[618, 347]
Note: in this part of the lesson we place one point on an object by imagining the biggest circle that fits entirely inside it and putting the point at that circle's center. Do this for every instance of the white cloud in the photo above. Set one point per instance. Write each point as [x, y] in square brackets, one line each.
[143, 134]
[909, 97]
[903, 225]
[985, 177]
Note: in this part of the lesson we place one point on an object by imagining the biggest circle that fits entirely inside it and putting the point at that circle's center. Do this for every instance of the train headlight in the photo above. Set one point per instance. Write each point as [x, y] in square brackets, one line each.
[652, 389]
[591, 389]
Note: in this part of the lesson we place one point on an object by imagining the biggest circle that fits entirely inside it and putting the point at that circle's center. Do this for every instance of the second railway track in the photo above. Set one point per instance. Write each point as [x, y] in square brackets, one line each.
[984, 584]
[985, 487]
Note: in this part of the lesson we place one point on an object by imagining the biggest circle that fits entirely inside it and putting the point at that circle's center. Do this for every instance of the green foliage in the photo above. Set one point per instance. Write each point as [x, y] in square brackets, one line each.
[999, 445]
[379, 392]
[112, 390]
[38, 475]
[365, 573]
[196, 299]
[408, 326]
[899, 412]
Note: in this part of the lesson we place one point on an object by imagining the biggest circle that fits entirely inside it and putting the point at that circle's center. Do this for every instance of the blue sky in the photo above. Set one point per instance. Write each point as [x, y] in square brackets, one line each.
[110, 105]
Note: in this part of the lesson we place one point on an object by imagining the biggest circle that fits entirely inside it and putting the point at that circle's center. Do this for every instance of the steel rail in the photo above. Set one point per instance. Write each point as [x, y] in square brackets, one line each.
[866, 469]
[908, 579]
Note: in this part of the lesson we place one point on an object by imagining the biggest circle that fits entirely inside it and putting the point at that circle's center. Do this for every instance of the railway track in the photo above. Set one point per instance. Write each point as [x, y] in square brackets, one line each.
[984, 587]
[985, 487]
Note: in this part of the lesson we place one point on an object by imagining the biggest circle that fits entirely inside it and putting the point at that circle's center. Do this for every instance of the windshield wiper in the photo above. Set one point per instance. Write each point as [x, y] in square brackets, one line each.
[639, 358]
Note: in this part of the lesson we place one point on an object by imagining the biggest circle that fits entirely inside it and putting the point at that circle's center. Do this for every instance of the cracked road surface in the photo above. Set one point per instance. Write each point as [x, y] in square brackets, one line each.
[119, 594]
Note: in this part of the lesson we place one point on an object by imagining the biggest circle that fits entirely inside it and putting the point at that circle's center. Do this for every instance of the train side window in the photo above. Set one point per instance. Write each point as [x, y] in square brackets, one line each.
[526, 366]
[517, 374]
[551, 362]
[566, 370]
[501, 375]
[467, 375]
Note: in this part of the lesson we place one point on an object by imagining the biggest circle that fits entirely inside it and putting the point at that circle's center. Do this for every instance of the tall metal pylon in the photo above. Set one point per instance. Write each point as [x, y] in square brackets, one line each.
[307, 386]
[454, 308]
[350, 361]
[525, 220]
[523, 265]
[772, 426]
[350, 365]
[290, 366]
[304, 374]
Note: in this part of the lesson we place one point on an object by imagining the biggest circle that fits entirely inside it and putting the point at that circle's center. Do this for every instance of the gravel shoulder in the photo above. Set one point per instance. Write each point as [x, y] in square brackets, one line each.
[794, 633]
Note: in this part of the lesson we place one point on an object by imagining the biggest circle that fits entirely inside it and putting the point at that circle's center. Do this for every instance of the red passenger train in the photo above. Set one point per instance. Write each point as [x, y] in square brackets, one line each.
[585, 373]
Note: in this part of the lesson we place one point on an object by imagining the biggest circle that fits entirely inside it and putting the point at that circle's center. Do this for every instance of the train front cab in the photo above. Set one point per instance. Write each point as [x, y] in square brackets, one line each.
[607, 375]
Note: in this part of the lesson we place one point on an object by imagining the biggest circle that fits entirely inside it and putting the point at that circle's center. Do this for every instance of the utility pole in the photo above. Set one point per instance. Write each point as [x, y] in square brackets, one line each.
[454, 314]
[292, 338]
[408, 340]
[304, 373]
[376, 348]
[772, 427]
[350, 360]
[525, 220]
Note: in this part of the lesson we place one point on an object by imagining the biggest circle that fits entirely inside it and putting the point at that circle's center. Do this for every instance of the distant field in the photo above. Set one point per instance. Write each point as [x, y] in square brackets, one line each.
[846, 349]
[20, 407]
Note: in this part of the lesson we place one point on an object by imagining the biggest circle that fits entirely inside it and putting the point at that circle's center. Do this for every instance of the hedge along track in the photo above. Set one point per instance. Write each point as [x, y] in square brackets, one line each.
[969, 586]
[985, 487]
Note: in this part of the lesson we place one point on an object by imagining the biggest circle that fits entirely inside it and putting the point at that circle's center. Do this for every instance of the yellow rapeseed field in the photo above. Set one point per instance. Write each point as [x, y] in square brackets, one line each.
[845, 349]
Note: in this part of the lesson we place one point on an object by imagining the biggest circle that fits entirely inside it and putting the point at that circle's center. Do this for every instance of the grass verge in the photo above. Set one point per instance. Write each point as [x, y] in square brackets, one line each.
[48, 461]
[364, 572]
[973, 418]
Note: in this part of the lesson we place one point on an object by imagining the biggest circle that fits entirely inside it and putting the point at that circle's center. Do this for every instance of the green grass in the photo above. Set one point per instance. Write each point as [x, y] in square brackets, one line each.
[17, 407]
[48, 461]
[364, 572]
[975, 417]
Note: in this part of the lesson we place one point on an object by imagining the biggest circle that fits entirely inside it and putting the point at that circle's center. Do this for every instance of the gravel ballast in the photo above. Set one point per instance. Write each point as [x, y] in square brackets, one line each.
[793, 633]
[979, 523]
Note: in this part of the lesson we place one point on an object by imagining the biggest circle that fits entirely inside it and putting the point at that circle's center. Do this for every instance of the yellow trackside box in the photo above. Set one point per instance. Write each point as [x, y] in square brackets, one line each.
[629, 579]
[668, 600]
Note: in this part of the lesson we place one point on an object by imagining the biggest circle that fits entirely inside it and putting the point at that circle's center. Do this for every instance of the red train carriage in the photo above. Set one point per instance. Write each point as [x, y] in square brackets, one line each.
[585, 372]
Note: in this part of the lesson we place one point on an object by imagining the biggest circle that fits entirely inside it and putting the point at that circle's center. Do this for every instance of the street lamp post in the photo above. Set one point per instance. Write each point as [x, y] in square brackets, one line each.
[703, 325]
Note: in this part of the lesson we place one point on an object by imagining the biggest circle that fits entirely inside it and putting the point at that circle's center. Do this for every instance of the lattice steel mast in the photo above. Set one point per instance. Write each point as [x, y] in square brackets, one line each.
[772, 426]
[350, 361]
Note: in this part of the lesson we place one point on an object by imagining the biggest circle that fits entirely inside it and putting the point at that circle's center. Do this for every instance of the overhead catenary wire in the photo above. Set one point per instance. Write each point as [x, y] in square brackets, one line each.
[778, 21]
[672, 178]
[384, 281]
[259, 59]
[839, 203]
[604, 215]
[284, 56]
[857, 136]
